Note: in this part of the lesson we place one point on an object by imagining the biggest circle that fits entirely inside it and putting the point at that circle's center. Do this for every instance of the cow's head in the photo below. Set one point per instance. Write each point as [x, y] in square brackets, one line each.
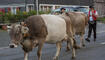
[17, 34]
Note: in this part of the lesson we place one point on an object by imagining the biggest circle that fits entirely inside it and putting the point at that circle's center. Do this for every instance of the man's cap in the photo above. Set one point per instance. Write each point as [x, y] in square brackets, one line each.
[63, 9]
[91, 7]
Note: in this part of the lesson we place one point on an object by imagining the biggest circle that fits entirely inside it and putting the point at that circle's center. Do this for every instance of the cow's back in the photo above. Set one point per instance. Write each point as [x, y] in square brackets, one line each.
[56, 27]
[79, 22]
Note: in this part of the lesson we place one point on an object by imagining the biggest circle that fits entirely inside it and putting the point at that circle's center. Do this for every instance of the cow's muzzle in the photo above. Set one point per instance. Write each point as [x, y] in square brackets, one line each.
[12, 45]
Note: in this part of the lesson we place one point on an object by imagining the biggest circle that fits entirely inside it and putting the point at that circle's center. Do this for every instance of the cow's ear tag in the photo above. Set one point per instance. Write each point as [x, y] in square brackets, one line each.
[25, 29]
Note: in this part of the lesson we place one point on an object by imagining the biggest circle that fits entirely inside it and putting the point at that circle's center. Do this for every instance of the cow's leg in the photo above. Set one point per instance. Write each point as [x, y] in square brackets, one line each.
[39, 52]
[72, 44]
[82, 43]
[25, 56]
[68, 46]
[58, 45]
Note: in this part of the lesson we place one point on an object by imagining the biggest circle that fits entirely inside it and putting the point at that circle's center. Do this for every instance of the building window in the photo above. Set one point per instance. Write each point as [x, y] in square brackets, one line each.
[45, 8]
[14, 10]
[57, 7]
[7, 10]
[20, 9]
[0, 9]
[49, 8]
[41, 8]
[30, 7]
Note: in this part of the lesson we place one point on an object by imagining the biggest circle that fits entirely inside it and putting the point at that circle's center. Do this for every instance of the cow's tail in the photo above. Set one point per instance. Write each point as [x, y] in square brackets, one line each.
[86, 20]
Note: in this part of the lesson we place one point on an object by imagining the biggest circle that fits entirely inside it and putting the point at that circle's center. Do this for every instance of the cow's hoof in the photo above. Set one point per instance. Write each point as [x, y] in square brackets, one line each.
[83, 45]
[77, 47]
[73, 57]
[55, 58]
[68, 49]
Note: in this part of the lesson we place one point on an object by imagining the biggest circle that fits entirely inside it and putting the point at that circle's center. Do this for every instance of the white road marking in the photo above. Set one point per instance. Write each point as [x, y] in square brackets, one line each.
[101, 32]
[103, 43]
[98, 32]
[4, 48]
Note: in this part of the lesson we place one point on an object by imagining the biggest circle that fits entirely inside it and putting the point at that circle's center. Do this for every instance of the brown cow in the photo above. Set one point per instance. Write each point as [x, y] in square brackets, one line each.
[79, 22]
[41, 29]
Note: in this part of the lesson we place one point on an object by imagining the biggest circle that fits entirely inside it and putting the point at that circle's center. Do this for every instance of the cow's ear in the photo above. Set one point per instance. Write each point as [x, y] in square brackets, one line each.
[67, 14]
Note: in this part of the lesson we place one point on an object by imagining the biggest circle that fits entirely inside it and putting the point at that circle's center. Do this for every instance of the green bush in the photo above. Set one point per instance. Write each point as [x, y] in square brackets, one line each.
[20, 16]
[1, 17]
[32, 13]
[101, 19]
[11, 17]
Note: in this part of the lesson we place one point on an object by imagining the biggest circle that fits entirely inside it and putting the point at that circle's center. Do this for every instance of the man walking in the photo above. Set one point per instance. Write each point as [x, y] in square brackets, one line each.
[92, 16]
[62, 10]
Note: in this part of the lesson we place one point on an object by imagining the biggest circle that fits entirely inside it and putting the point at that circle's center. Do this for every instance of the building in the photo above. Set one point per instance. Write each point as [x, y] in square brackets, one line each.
[100, 7]
[48, 5]
[11, 5]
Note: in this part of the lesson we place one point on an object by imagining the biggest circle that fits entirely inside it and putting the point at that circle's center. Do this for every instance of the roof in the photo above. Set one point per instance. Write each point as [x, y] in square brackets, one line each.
[6, 2]
[67, 2]
[60, 2]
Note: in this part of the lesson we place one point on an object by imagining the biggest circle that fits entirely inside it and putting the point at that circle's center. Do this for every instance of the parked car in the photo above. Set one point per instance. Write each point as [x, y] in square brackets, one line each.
[57, 11]
[71, 9]
[82, 9]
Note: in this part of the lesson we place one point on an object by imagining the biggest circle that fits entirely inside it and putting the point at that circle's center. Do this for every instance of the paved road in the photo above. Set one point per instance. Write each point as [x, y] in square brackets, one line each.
[92, 51]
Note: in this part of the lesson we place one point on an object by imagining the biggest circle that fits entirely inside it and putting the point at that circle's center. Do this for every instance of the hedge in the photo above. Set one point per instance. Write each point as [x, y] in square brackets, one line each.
[101, 19]
[19, 16]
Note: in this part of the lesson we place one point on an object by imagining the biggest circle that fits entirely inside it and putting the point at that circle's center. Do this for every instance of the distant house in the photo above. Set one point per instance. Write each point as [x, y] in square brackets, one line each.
[48, 5]
[44, 5]
[11, 5]
[100, 7]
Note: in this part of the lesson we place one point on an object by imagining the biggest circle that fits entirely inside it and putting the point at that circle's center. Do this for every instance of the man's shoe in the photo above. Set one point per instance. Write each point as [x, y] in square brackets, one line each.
[94, 39]
[87, 39]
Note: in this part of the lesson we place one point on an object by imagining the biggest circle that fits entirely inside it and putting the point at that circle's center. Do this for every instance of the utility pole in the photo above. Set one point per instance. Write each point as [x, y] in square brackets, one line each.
[37, 7]
[25, 4]
[34, 4]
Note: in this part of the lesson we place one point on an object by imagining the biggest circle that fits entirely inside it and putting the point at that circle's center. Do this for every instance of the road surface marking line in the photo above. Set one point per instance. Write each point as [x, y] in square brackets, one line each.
[97, 32]
[101, 32]
[3, 48]
[103, 43]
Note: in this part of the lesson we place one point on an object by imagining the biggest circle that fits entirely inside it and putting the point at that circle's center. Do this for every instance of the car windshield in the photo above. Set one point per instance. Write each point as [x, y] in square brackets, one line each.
[83, 9]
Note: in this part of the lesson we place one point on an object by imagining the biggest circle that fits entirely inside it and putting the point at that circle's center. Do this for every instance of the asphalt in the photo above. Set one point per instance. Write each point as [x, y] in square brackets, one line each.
[92, 51]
